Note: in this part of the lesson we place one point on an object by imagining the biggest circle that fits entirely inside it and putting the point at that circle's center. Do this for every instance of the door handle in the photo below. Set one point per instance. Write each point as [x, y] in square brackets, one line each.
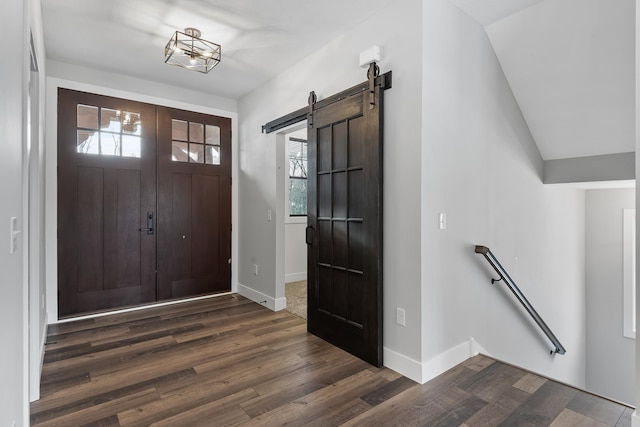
[309, 233]
[149, 228]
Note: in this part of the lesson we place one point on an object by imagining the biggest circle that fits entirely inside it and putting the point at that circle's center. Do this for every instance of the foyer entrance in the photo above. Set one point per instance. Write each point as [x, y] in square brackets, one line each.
[144, 203]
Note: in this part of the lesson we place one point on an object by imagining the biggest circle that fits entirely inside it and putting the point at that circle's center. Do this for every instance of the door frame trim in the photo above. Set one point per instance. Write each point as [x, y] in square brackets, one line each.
[51, 167]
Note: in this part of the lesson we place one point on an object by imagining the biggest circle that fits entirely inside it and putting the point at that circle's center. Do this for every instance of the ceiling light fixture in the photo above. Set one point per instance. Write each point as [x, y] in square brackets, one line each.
[189, 51]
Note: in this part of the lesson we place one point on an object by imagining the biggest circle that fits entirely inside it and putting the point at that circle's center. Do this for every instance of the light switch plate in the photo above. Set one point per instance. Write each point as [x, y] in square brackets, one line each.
[400, 316]
[13, 234]
[442, 221]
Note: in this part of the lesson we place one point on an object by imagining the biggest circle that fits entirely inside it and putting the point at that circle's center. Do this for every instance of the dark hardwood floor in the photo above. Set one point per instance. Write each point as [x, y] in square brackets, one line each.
[228, 361]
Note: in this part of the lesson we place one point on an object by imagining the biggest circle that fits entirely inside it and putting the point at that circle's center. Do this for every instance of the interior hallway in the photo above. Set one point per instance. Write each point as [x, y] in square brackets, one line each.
[228, 361]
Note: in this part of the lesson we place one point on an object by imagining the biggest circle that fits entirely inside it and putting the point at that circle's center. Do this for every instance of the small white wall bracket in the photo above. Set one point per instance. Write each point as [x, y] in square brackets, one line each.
[369, 56]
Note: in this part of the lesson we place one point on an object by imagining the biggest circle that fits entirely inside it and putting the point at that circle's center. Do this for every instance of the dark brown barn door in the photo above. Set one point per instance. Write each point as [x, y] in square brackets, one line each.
[345, 224]
[194, 204]
[106, 189]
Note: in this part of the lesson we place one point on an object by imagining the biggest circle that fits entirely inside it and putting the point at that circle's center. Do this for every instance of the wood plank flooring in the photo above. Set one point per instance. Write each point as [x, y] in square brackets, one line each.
[227, 361]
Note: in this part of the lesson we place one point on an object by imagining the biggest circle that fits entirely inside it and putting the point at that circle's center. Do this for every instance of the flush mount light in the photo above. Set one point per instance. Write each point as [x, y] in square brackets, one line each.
[186, 49]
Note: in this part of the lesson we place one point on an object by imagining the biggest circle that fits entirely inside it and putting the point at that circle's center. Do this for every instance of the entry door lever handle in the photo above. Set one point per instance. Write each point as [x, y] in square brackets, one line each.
[309, 234]
[149, 228]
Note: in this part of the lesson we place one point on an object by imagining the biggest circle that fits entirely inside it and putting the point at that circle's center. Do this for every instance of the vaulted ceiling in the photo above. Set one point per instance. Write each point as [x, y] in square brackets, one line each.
[571, 67]
[570, 63]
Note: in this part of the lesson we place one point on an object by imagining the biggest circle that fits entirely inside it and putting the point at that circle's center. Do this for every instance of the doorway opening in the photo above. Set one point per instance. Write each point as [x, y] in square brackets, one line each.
[292, 152]
[144, 207]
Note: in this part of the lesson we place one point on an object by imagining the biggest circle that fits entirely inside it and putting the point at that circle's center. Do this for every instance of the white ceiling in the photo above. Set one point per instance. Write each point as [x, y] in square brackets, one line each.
[259, 38]
[570, 63]
[571, 67]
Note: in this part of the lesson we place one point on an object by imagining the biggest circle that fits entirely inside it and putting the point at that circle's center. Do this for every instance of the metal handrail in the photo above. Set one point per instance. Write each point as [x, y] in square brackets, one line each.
[486, 252]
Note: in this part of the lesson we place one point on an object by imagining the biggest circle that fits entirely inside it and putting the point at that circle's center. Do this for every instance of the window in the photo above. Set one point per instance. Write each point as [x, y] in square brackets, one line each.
[195, 142]
[108, 132]
[629, 272]
[297, 177]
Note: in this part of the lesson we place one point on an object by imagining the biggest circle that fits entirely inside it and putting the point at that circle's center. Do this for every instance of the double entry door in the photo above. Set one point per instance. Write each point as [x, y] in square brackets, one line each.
[144, 203]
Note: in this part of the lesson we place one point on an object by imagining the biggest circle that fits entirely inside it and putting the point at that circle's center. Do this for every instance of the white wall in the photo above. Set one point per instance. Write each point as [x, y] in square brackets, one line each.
[110, 84]
[481, 167]
[137, 86]
[397, 30]
[36, 205]
[13, 310]
[610, 356]
[636, 416]
[295, 252]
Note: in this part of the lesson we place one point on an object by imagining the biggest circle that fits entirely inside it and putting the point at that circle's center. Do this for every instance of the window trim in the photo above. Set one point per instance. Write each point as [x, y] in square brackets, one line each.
[629, 272]
[291, 219]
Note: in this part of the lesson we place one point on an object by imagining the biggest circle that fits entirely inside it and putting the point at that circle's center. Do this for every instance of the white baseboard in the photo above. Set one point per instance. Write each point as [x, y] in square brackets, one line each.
[295, 277]
[275, 304]
[450, 358]
[402, 364]
[635, 419]
[421, 372]
[34, 392]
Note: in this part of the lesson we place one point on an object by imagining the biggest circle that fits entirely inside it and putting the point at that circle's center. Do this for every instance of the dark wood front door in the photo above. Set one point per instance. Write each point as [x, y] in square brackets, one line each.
[144, 203]
[194, 204]
[106, 188]
[345, 224]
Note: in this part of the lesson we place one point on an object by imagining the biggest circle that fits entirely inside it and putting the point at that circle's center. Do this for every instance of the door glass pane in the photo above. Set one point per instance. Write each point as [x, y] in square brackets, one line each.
[297, 197]
[196, 153]
[324, 149]
[179, 130]
[87, 116]
[339, 193]
[131, 123]
[88, 142]
[339, 150]
[131, 146]
[212, 155]
[196, 132]
[109, 144]
[179, 151]
[324, 195]
[110, 120]
[356, 187]
[118, 130]
[213, 135]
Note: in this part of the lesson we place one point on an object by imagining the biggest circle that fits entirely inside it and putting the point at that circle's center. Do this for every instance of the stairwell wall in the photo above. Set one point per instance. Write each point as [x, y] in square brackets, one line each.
[481, 167]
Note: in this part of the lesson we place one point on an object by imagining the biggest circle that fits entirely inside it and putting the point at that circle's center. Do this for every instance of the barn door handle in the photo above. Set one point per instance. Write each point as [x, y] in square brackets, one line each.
[309, 235]
[149, 228]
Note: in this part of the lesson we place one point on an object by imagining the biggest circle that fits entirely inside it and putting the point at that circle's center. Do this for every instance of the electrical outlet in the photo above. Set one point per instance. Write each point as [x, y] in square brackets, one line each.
[268, 214]
[255, 269]
[400, 316]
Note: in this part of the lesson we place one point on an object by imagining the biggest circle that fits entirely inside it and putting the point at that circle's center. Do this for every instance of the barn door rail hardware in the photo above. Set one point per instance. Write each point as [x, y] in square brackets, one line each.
[384, 81]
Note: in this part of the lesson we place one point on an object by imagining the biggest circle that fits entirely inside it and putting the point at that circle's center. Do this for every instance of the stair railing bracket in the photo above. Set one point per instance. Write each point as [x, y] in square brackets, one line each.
[493, 261]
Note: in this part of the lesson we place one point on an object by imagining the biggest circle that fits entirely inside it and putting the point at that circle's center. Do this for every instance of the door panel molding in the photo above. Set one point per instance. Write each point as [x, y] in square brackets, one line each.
[104, 201]
[345, 221]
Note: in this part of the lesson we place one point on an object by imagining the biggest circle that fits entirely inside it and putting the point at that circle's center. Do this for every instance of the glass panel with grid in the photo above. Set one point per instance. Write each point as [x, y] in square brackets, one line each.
[297, 177]
[194, 142]
[108, 132]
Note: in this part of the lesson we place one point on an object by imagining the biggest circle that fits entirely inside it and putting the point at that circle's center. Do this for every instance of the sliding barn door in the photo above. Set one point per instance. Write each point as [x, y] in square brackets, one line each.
[106, 190]
[194, 204]
[344, 231]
